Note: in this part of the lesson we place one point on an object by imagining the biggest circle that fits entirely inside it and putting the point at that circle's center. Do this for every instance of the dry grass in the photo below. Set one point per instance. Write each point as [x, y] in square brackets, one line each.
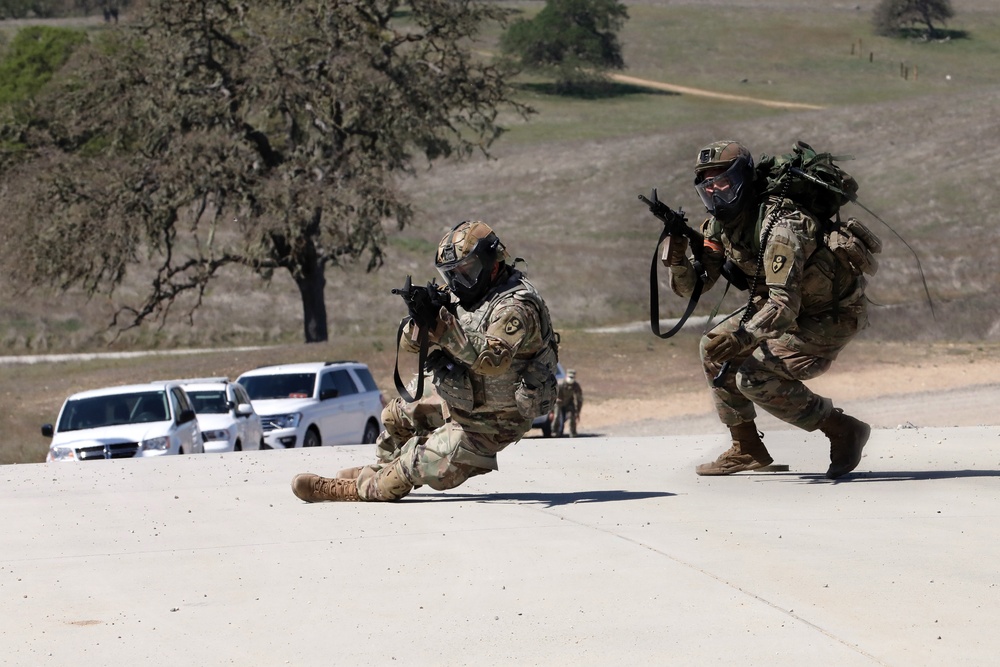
[562, 189]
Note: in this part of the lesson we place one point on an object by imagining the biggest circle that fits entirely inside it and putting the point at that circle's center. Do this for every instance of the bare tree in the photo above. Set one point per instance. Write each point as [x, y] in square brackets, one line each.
[267, 134]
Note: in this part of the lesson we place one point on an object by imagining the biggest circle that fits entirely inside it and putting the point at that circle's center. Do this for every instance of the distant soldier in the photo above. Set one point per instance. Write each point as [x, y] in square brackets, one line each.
[492, 360]
[569, 402]
[806, 306]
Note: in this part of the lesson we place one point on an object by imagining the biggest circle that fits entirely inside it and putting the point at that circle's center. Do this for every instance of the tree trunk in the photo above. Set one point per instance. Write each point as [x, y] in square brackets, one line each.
[312, 284]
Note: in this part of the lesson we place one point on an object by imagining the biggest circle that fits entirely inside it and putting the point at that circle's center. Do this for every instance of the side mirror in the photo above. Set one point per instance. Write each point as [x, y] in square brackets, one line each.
[47, 430]
[328, 393]
[244, 410]
[185, 416]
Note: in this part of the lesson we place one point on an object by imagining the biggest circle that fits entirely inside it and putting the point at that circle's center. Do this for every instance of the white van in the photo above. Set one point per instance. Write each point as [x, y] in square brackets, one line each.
[137, 420]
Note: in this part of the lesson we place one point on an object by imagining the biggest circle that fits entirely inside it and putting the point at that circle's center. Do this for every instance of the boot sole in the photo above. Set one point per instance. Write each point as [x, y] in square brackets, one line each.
[705, 471]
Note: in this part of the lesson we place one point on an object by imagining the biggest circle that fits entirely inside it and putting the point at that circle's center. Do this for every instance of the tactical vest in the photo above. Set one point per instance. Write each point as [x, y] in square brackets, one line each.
[527, 387]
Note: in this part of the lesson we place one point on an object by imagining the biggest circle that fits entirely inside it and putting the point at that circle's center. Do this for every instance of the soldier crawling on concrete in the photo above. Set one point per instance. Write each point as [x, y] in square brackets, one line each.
[492, 357]
[806, 304]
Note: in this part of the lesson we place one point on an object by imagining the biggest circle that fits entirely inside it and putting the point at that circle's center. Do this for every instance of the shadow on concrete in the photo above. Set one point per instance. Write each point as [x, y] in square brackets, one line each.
[916, 475]
[565, 437]
[544, 499]
[895, 476]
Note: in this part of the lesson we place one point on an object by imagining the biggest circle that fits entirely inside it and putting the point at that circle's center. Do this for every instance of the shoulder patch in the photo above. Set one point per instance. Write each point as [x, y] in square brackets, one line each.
[778, 262]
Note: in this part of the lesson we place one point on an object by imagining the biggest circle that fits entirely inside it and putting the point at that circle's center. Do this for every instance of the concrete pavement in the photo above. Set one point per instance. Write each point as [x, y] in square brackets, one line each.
[591, 551]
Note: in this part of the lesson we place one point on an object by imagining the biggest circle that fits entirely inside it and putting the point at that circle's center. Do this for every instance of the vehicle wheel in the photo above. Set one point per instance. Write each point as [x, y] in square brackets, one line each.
[546, 428]
[371, 432]
[263, 444]
[311, 439]
[238, 447]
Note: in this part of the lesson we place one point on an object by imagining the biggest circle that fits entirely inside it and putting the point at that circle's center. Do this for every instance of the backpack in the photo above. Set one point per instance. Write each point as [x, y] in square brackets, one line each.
[818, 184]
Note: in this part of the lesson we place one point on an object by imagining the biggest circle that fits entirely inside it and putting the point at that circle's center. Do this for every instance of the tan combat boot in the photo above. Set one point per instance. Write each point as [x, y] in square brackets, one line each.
[314, 489]
[747, 453]
[350, 473]
[847, 438]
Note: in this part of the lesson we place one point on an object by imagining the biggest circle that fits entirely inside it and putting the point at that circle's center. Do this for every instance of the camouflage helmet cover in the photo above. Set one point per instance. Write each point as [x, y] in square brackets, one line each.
[467, 258]
[727, 192]
[462, 240]
[720, 154]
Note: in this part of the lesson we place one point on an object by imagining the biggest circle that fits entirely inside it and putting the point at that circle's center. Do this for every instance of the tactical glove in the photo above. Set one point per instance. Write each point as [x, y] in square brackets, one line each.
[676, 251]
[729, 345]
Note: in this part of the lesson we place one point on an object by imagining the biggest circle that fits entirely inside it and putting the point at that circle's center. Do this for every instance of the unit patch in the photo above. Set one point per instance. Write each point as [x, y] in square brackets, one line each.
[779, 260]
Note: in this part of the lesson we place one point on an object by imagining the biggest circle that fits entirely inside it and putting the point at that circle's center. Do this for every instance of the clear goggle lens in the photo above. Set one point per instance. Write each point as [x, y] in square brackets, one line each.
[722, 189]
[465, 273]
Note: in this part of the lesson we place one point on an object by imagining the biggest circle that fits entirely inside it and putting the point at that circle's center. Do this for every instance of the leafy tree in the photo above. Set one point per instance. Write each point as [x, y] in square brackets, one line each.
[19, 9]
[32, 58]
[890, 17]
[577, 40]
[265, 134]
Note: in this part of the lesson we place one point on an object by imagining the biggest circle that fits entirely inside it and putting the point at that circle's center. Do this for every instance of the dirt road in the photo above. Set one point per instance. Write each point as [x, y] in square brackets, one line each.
[943, 391]
[700, 92]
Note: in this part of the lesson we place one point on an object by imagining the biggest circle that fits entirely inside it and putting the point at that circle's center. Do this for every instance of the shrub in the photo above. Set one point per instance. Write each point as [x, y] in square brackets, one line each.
[574, 39]
[32, 58]
[892, 17]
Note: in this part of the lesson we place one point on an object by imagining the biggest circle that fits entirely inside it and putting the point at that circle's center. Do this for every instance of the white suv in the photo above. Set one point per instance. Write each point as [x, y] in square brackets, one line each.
[227, 419]
[123, 422]
[313, 404]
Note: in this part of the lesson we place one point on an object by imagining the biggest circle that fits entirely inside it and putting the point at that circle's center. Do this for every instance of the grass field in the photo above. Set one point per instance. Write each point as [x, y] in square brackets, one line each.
[561, 191]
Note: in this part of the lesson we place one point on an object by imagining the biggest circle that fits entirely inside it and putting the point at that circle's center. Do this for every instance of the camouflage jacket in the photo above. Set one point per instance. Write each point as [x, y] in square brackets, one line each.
[570, 395]
[802, 281]
[502, 359]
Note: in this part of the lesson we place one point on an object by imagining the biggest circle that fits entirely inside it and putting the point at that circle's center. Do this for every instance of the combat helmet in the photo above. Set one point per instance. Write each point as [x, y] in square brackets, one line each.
[466, 258]
[725, 194]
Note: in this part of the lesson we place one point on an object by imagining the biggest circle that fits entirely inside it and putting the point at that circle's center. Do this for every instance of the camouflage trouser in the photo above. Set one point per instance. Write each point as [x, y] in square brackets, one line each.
[402, 421]
[771, 375]
[565, 415]
[419, 448]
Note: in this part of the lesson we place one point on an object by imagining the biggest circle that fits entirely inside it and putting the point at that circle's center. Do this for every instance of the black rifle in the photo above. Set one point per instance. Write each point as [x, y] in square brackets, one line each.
[674, 224]
[424, 305]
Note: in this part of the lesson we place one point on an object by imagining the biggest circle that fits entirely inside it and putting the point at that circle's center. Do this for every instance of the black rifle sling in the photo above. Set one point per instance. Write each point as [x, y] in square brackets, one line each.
[421, 360]
[654, 294]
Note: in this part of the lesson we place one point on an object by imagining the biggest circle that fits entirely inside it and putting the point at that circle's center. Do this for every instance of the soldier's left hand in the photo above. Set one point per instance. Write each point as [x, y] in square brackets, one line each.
[729, 345]
[444, 321]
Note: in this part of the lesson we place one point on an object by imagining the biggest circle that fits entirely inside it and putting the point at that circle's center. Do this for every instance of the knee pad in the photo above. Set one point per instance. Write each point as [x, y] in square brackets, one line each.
[391, 482]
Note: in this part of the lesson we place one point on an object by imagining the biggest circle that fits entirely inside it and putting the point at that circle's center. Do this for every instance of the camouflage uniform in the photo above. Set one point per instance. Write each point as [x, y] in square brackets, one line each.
[569, 402]
[492, 362]
[483, 399]
[807, 305]
[808, 309]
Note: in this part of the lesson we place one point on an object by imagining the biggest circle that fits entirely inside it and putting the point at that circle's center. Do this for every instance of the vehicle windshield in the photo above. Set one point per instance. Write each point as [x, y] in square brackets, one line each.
[287, 385]
[209, 402]
[113, 410]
